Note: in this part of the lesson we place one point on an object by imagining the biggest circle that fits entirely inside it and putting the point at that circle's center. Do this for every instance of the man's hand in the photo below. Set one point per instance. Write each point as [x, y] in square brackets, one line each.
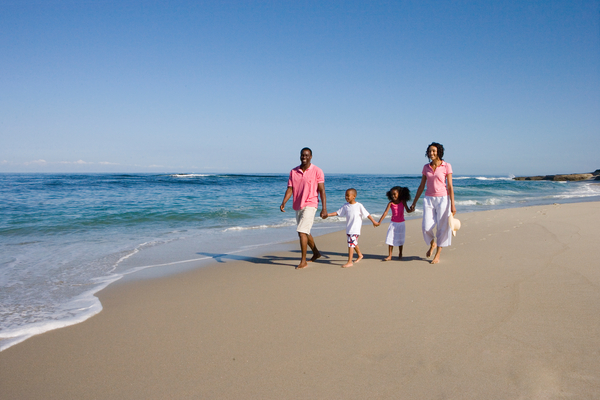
[324, 213]
[282, 207]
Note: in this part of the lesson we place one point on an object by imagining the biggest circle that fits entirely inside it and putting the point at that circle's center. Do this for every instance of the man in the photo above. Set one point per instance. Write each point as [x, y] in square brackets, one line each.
[305, 181]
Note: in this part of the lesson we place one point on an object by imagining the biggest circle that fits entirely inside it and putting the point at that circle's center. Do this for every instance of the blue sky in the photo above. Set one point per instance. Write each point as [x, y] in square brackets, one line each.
[509, 87]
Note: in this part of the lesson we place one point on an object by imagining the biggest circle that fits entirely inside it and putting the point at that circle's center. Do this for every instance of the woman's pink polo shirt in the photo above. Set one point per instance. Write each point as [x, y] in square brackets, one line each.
[436, 180]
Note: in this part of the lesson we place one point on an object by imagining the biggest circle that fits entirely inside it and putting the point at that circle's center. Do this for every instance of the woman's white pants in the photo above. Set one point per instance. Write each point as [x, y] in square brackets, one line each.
[436, 211]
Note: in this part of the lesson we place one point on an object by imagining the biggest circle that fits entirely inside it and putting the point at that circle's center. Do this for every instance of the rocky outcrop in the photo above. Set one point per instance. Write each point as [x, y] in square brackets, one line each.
[563, 177]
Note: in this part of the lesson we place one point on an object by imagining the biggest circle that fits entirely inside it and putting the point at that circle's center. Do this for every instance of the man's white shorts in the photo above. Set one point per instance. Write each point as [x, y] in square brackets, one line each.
[305, 218]
[396, 234]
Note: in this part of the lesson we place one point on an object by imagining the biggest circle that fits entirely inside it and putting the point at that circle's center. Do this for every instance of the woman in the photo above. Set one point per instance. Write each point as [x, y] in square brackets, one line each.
[438, 202]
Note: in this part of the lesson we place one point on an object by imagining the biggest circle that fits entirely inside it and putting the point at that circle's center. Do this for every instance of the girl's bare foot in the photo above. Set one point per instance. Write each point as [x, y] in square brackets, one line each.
[388, 258]
[359, 258]
[348, 264]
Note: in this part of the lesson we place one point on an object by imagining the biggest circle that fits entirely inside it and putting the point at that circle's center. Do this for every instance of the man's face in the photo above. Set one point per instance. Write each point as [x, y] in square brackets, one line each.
[305, 157]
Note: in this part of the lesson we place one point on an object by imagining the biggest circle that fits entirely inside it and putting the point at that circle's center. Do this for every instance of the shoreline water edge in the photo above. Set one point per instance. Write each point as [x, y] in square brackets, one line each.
[64, 237]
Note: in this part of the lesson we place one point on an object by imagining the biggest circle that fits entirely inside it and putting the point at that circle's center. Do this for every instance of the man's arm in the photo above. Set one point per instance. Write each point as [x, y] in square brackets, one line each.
[286, 197]
[321, 189]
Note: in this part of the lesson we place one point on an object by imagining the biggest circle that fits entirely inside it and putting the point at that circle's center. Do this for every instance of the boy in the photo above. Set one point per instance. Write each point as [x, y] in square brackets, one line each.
[354, 212]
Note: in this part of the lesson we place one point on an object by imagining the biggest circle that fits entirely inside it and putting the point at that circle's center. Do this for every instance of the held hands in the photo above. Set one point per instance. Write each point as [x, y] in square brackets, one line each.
[376, 224]
[324, 213]
[412, 208]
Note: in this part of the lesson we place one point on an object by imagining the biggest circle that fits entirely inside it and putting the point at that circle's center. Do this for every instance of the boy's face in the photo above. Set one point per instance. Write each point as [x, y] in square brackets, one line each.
[350, 196]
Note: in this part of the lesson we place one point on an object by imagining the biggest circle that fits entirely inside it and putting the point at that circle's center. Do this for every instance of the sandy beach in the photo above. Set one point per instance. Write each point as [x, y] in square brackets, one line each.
[511, 312]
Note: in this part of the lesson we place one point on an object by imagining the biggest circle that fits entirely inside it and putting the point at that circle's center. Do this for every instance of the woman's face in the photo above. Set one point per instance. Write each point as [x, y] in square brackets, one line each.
[432, 153]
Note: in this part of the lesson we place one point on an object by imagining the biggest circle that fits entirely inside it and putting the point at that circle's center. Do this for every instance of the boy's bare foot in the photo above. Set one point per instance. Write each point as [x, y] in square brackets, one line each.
[435, 260]
[359, 258]
[302, 265]
[315, 256]
[388, 258]
[348, 264]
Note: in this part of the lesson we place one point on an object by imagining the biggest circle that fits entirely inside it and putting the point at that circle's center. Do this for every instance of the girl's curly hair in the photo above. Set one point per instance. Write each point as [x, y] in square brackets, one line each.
[403, 193]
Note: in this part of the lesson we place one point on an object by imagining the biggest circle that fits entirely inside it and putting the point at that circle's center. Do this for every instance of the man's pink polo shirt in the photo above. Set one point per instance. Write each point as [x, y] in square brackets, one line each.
[436, 181]
[305, 184]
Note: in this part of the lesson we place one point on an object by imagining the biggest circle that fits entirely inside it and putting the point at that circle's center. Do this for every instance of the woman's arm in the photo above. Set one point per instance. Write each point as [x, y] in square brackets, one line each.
[408, 209]
[419, 192]
[451, 193]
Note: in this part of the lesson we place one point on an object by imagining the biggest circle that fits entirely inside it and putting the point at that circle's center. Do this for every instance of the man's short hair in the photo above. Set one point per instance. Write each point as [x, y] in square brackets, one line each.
[306, 148]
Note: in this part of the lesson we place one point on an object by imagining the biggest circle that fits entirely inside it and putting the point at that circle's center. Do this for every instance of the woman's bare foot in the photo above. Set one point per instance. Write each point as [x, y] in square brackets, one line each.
[430, 251]
[348, 264]
[436, 259]
[359, 258]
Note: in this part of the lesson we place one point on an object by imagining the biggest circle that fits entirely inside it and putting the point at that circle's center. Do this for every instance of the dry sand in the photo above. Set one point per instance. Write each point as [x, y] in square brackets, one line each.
[511, 312]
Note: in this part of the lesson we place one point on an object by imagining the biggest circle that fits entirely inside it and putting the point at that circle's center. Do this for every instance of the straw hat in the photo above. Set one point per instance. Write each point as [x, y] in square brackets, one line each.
[454, 224]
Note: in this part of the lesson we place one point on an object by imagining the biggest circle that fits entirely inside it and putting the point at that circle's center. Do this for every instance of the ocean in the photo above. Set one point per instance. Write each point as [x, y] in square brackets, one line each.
[64, 237]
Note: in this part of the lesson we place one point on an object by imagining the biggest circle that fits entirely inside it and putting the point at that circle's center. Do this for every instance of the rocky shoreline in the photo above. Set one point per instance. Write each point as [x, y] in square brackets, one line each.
[562, 177]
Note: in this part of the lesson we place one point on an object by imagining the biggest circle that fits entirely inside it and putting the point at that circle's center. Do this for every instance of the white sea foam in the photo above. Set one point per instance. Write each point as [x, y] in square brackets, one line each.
[189, 175]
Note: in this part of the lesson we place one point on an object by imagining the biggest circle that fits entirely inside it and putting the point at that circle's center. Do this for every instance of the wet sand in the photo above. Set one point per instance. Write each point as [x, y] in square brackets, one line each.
[511, 312]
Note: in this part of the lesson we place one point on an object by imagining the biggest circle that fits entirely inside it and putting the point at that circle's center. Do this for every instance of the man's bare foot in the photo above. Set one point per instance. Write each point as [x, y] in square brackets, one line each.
[388, 258]
[302, 265]
[359, 258]
[315, 256]
[348, 264]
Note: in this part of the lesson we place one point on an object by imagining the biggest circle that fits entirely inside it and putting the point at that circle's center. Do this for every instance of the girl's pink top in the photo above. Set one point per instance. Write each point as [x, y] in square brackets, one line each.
[436, 180]
[397, 212]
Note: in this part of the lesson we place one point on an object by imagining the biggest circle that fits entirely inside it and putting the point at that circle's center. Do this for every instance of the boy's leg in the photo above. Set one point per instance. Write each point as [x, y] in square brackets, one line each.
[359, 254]
[350, 255]
[390, 250]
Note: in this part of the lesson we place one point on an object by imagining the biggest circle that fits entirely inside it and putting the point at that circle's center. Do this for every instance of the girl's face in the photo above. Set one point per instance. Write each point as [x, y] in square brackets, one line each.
[395, 195]
[432, 153]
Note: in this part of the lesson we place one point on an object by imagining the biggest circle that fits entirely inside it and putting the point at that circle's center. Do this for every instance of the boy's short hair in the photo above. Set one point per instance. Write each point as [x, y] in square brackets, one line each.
[352, 190]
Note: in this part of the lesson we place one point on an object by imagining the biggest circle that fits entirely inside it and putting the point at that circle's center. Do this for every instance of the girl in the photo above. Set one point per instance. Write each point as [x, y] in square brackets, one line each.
[396, 233]
[438, 202]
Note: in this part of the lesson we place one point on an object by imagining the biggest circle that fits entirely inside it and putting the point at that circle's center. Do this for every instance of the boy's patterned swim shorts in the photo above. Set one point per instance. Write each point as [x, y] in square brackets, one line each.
[352, 240]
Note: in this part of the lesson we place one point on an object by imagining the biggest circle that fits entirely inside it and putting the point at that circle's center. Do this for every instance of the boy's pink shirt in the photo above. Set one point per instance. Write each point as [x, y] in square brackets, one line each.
[436, 181]
[305, 184]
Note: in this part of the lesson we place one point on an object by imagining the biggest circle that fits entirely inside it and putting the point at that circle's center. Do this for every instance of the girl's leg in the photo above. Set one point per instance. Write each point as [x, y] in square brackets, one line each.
[400, 252]
[350, 255]
[389, 257]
